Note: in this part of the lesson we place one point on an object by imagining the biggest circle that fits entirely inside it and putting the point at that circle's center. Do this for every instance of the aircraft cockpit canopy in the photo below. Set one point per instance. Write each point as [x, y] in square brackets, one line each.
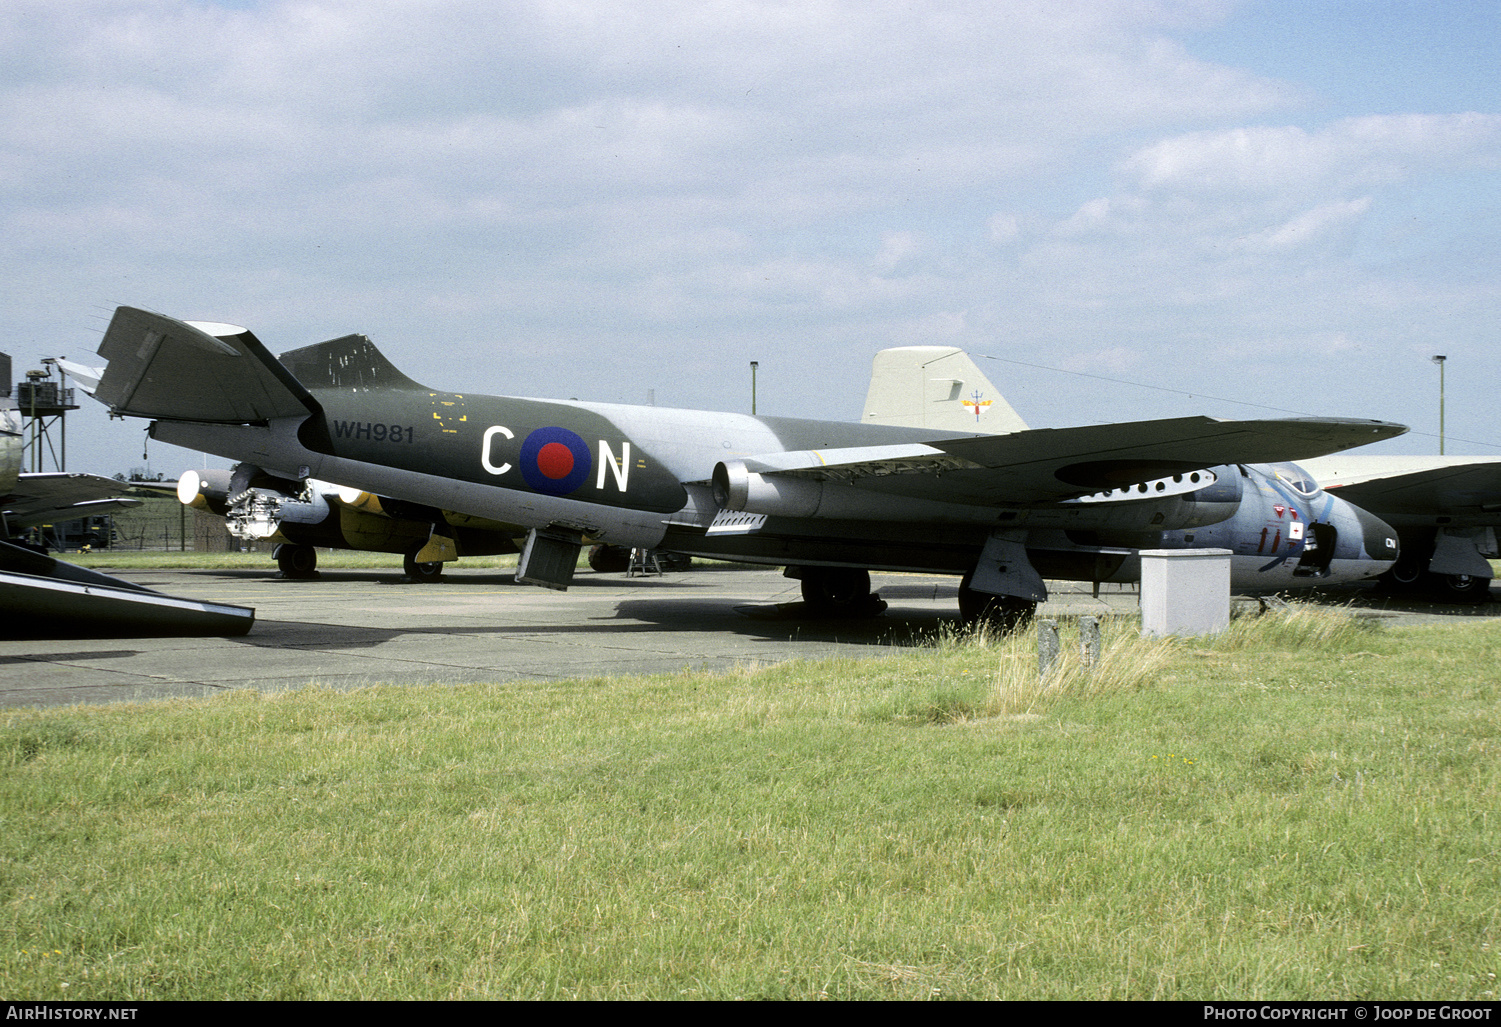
[1297, 479]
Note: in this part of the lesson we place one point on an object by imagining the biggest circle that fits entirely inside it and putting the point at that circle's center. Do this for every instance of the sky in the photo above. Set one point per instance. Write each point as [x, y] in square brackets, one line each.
[1124, 209]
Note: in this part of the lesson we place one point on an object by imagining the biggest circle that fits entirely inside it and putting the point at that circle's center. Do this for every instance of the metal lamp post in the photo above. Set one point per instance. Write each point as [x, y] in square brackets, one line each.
[1439, 360]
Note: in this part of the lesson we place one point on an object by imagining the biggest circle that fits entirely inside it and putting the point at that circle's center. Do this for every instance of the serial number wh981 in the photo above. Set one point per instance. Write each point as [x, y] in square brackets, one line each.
[368, 432]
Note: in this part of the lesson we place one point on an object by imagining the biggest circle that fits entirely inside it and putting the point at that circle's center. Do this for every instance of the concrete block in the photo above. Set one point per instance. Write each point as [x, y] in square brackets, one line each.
[1184, 592]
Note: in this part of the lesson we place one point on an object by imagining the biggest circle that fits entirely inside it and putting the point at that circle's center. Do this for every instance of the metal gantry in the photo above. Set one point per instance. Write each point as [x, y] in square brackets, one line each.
[44, 404]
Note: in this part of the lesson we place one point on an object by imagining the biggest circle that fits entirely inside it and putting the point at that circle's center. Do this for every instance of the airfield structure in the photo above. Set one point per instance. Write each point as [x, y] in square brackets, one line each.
[44, 403]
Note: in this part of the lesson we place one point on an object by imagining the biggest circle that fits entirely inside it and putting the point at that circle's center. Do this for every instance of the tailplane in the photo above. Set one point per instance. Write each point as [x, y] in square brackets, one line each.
[936, 387]
[221, 373]
[194, 371]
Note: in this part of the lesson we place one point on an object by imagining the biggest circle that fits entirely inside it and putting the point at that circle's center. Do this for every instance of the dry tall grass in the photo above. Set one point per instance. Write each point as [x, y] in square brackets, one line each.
[1127, 662]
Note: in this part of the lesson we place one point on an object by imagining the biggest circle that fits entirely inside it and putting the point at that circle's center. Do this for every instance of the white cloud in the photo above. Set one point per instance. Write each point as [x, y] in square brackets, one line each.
[1203, 219]
[1353, 151]
[1311, 227]
[1004, 228]
[895, 248]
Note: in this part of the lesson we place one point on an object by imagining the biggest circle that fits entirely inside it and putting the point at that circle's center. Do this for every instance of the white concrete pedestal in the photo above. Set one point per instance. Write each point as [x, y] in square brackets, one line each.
[1184, 592]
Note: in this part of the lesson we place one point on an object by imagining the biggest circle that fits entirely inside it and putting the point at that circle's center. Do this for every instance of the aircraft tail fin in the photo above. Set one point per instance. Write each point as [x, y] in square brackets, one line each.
[936, 387]
[194, 371]
[350, 362]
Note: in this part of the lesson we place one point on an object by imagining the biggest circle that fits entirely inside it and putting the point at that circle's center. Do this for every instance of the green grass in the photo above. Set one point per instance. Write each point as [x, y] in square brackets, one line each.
[1303, 808]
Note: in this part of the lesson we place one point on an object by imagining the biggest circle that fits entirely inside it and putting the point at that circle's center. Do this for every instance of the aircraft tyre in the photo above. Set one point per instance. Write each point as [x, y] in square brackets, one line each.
[1414, 579]
[1000, 613]
[297, 562]
[673, 561]
[837, 590]
[421, 573]
[607, 559]
[1459, 588]
[1406, 576]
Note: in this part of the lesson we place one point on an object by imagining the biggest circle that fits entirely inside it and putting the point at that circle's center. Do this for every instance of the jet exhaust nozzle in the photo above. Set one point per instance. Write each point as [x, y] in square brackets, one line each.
[360, 500]
[207, 489]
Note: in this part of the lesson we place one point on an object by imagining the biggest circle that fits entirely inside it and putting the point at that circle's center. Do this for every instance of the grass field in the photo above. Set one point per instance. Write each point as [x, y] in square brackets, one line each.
[1303, 808]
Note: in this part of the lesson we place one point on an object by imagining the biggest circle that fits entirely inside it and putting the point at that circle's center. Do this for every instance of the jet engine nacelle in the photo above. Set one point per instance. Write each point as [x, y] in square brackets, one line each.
[205, 490]
[360, 500]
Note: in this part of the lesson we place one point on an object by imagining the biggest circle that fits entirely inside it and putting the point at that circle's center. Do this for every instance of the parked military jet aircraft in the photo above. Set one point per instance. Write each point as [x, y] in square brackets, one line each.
[829, 501]
[1284, 531]
[1446, 510]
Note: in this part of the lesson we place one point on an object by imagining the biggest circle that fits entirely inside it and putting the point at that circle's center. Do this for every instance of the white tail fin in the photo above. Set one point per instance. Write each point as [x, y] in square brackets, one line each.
[936, 387]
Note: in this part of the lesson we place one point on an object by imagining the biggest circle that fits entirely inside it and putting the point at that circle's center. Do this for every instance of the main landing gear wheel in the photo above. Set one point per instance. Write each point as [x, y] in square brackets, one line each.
[1459, 588]
[422, 573]
[300, 562]
[999, 613]
[839, 591]
[607, 559]
[1414, 580]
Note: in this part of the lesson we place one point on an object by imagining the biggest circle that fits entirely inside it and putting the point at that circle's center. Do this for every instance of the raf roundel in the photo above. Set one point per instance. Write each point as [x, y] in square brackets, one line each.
[555, 461]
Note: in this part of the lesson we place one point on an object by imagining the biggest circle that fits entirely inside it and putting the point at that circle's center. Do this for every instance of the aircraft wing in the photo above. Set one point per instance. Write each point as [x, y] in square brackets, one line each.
[45, 598]
[1419, 485]
[194, 371]
[61, 496]
[1051, 464]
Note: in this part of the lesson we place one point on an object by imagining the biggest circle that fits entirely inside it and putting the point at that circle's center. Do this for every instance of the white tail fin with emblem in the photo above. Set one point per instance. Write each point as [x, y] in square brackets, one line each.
[936, 387]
